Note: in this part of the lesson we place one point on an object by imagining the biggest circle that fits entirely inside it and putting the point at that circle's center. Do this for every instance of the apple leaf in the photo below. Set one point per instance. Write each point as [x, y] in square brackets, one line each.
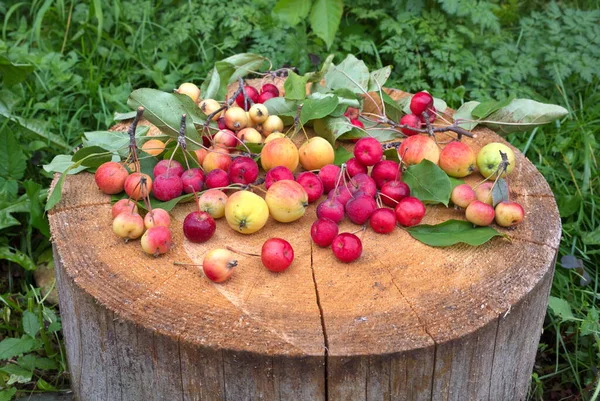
[97, 156]
[346, 98]
[393, 110]
[280, 106]
[391, 154]
[379, 77]
[428, 182]
[61, 163]
[342, 155]
[452, 232]
[331, 128]
[227, 71]
[292, 11]
[124, 116]
[500, 191]
[523, 115]
[351, 74]
[317, 76]
[295, 86]
[114, 141]
[464, 117]
[243, 64]
[317, 106]
[325, 17]
[486, 108]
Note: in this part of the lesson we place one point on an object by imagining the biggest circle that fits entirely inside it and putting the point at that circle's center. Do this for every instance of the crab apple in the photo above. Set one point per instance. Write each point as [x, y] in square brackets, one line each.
[383, 220]
[287, 201]
[251, 123]
[432, 113]
[236, 118]
[279, 152]
[271, 124]
[329, 176]
[226, 138]
[312, 185]
[368, 151]
[277, 174]
[489, 159]
[346, 247]
[153, 147]
[410, 120]
[128, 225]
[252, 94]
[156, 240]
[420, 102]
[462, 195]
[352, 113]
[457, 159]
[189, 89]
[418, 147]
[483, 192]
[246, 212]
[479, 213]
[353, 167]
[342, 194]
[509, 214]
[272, 136]
[316, 153]
[276, 254]
[331, 209]
[270, 88]
[393, 192]
[209, 106]
[138, 185]
[172, 166]
[167, 186]
[250, 135]
[258, 113]
[263, 97]
[110, 177]
[217, 178]
[200, 155]
[323, 231]
[360, 208]
[217, 158]
[193, 180]
[213, 202]
[199, 226]
[243, 170]
[384, 171]
[409, 211]
[123, 205]
[357, 123]
[218, 264]
[157, 217]
[221, 123]
[363, 183]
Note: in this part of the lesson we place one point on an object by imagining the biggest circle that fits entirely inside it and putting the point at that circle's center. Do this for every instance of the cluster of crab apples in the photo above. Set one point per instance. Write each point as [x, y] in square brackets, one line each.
[367, 189]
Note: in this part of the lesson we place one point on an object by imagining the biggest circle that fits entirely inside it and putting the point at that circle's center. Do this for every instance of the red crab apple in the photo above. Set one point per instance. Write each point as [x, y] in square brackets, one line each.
[357, 123]
[198, 226]
[252, 94]
[217, 178]
[509, 214]
[287, 201]
[342, 194]
[157, 217]
[167, 186]
[123, 205]
[277, 254]
[243, 170]
[329, 175]
[218, 264]
[483, 193]
[462, 195]
[479, 213]
[213, 202]
[316, 153]
[352, 113]
[383, 220]
[418, 147]
[331, 209]
[432, 113]
[226, 138]
[368, 151]
[346, 247]
[311, 184]
[409, 211]
[279, 152]
[110, 177]
[362, 183]
[263, 97]
[193, 180]
[457, 159]
[270, 88]
[138, 185]
[360, 208]
[156, 240]
[216, 158]
[353, 167]
[173, 166]
[384, 171]
[420, 102]
[410, 120]
[128, 225]
[393, 192]
[323, 231]
[277, 174]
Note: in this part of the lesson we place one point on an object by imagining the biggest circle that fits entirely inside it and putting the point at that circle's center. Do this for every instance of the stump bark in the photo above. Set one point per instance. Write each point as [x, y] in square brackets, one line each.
[404, 322]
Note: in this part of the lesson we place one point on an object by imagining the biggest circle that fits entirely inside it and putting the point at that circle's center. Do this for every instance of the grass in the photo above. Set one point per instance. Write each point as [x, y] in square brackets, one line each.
[87, 57]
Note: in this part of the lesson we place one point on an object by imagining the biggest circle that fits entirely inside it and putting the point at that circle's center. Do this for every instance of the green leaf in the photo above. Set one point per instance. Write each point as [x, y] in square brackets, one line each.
[227, 71]
[455, 182]
[318, 76]
[7, 395]
[114, 141]
[500, 192]
[13, 73]
[325, 17]
[561, 308]
[317, 106]
[342, 155]
[464, 117]
[92, 156]
[295, 86]
[7, 208]
[12, 158]
[393, 110]
[124, 116]
[292, 11]
[43, 385]
[45, 364]
[591, 237]
[18, 257]
[56, 193]
[280, 106]
[391, 154]
[486, 108]
[523, 115]
[164, 110]
[62, 163]
[243, 64]
[428, 182]
[351, 74]
[17, 374]
[37, 219]
[331, 128]
[378, 78]
[169, 205]
[11, 347]
[452, 232]
[31, 324]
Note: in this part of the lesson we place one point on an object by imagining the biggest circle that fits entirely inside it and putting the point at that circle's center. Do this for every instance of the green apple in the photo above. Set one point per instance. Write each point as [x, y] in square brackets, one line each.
[489, 159]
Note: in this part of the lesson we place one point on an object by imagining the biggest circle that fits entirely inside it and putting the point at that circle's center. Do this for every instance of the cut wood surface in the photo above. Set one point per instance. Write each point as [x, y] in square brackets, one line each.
[404, 322]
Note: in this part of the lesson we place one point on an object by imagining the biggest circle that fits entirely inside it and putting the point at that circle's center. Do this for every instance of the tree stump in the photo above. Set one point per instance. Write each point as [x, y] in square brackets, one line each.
[404, 322]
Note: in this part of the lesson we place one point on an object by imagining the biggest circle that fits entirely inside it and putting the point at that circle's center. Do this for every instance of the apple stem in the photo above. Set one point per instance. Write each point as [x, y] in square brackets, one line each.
[389, 197]
[241, 252]
[187, 264]
[257, 187]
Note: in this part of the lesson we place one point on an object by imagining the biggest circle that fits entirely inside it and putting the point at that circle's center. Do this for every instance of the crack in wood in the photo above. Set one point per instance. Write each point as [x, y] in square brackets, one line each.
[322, 316]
